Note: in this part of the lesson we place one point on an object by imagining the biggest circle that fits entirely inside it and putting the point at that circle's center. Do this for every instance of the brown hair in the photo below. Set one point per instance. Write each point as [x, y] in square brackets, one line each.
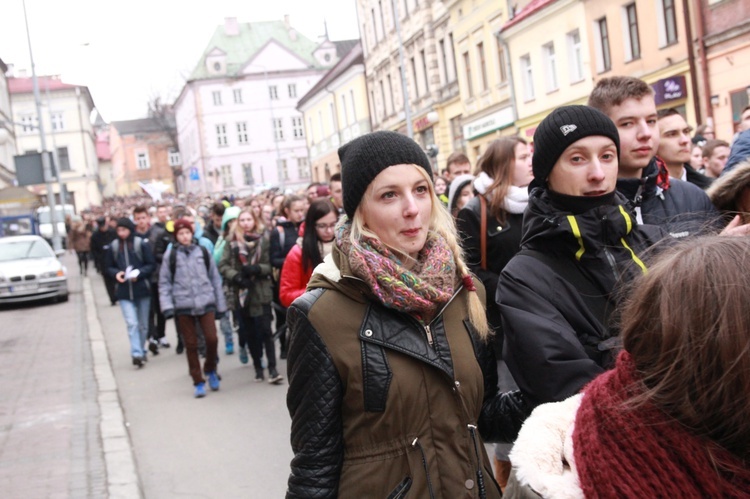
[286, 205]
[615, 90]
[140, 209]
[458, 158]
[710, 145]
[687, 328]
[497, 162]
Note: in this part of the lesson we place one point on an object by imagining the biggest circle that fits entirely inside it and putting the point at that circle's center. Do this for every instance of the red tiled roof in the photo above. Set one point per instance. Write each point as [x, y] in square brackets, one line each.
[26, 85]
[533, 7]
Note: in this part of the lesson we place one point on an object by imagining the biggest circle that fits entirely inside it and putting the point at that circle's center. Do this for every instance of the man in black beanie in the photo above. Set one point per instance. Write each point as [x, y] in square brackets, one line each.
[580, 243]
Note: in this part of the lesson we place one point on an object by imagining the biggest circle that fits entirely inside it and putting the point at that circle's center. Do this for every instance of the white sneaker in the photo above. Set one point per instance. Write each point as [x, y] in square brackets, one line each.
[163, 342]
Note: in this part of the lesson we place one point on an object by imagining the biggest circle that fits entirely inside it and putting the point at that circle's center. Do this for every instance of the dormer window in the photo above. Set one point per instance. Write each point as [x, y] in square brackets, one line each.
[327, 57]
[217, 66]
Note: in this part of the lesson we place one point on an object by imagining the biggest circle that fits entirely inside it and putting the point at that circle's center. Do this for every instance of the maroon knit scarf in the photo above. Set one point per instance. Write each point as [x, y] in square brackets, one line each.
[642, 452]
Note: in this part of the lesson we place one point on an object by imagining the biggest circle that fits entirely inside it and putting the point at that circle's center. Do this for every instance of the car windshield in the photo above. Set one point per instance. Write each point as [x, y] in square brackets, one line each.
[23, 250]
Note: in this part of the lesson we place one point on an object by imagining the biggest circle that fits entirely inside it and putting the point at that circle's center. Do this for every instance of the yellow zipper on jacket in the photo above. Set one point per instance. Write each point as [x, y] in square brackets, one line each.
[629, 225]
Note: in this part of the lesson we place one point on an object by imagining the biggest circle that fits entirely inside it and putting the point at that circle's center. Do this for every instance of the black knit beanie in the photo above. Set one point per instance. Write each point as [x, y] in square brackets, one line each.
[127, 223]
[560, 129]
[365, 157]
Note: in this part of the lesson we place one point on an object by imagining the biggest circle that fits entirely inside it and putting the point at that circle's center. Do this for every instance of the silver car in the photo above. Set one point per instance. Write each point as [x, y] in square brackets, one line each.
[30, 270]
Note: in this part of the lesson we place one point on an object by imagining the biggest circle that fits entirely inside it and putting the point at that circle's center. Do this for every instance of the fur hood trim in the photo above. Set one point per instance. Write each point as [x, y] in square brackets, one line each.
[542, 455]
[725, 189]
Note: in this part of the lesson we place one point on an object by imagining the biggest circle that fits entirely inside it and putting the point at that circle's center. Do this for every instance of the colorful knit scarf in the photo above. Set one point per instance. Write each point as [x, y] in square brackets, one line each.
[642, 452]
[419, 291]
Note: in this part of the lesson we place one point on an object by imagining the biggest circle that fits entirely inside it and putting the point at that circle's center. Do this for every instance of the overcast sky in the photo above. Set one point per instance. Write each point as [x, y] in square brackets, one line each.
[127, 52]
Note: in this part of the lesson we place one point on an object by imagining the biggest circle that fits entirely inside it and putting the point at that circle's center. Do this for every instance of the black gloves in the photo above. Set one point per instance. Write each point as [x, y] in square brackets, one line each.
[251, 270]
[219, 315]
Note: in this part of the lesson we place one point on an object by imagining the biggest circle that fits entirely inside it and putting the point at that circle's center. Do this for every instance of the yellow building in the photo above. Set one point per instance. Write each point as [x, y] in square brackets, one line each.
[484, 78]
[549, 61]
[335, 111]
[646, 39]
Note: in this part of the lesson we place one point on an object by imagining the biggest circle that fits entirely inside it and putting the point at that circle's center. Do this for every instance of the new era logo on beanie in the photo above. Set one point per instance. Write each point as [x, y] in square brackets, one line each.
[365, 157]
[561, 128]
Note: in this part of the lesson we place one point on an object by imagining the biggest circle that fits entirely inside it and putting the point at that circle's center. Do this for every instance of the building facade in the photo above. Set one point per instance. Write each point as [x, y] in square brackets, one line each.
[722, 52]
[142, 152]
[70, 136]
[7, 133]
[335, 111]
[237, 124]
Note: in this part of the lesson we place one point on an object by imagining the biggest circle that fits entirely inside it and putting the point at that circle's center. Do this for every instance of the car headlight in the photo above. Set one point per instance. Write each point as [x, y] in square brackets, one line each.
[53, 274]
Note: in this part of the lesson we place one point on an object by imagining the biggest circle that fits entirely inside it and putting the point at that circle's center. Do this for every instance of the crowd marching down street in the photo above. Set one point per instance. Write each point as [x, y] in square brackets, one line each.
[603, 269]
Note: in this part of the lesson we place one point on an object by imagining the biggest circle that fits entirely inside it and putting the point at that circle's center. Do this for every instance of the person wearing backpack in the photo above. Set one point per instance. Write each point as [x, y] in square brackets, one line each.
[190, 290]
[130, 262]
[227, 224]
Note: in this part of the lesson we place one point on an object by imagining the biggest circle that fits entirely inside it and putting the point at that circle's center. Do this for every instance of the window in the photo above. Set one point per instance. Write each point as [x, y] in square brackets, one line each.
[667, 35]
[482, 65]
[303, 168]
[550, 64]
[57, 121]
[221, 135]
[501, 61]
[575, 57]
[273, 92]
[354, 108]
[605, 60]
[374, 112]
[457, 132]
[528, 78]
[374, 26]
[284, 169]
[298, 131]
[414, 77]
[237, 92]
[333, 116]
[633, 44]
[424, 71]
[450, 53]
[312, 130]
[247, 174]
[390, 94]
[469, 84]
[242, 133]
[217, 97]
[226, 176]
[346, 111]
[278, 129]
[382, 97]
[28, 123]
[141, 159]
[320, 123]
[292, 90]
[64, 160]
[444, 60]
[174, 157]
[382, 19]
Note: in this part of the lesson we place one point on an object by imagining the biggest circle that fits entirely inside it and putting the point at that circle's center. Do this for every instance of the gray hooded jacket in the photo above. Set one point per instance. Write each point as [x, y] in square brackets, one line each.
[192, 291]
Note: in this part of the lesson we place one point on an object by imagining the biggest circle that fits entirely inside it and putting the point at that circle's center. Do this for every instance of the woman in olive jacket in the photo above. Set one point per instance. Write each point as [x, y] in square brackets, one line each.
[391, 380]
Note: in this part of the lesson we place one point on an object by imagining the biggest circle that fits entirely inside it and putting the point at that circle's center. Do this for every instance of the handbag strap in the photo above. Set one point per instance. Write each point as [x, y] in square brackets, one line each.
[483, 231]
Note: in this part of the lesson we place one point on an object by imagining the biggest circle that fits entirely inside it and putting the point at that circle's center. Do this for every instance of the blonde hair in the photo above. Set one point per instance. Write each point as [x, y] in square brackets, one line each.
[441, 224]
[238, 232]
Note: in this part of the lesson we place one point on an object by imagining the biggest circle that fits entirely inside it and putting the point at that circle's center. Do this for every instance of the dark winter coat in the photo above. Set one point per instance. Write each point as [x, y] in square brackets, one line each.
[191, 290]
[695, 177]
[739, 152]
[683, 210]
[555, 342]
[725, 192]
[279, 250]
[376, 409]
[159, 238]
[258, 287]
[100, 241]
[503, 242]
[127, 256]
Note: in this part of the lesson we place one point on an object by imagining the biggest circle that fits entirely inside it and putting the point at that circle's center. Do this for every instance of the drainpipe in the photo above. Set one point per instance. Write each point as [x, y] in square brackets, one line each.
[702, 48]
[691, 59]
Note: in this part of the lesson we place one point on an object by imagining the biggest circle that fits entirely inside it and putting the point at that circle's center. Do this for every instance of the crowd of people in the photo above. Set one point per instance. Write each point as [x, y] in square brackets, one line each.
[602, 270]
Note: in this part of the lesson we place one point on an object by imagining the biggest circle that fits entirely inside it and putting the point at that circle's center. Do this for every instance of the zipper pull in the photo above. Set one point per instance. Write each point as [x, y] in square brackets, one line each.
[429, 334]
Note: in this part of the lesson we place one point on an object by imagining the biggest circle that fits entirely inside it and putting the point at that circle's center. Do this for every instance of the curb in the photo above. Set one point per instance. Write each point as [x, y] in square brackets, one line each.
[122, 475]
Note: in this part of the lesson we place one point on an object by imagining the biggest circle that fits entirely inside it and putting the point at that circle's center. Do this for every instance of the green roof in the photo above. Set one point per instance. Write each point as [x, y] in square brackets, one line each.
[241, 48]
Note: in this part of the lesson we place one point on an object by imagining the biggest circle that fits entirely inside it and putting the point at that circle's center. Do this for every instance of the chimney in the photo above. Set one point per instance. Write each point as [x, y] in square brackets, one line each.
[231, 27]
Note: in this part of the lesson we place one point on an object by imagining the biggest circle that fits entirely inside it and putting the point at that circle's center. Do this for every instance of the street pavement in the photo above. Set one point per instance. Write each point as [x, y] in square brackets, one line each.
[77, 419]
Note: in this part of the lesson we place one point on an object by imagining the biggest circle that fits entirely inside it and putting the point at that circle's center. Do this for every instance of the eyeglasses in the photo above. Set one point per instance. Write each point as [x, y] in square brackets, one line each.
[325, 226]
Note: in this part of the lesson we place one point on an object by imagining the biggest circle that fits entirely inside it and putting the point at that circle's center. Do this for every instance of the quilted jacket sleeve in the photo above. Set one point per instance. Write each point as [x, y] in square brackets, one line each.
[314, 403]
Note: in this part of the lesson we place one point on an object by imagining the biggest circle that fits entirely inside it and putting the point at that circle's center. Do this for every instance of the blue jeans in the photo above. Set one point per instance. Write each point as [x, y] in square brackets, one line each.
[135, 313]
[225, 324]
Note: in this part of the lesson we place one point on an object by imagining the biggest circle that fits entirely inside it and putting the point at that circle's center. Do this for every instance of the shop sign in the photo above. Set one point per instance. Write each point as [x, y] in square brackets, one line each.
[669, 89]
[489, 123]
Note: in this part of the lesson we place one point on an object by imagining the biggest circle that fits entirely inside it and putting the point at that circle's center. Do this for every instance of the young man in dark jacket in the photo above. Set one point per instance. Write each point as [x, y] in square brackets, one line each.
[159, 239]
[100, 241]
[130, 262]
[580, 243]
[681, 208]
[675, 148]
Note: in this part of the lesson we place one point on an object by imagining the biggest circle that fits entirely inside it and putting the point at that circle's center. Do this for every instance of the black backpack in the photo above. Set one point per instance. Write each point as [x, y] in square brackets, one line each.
[173, 261]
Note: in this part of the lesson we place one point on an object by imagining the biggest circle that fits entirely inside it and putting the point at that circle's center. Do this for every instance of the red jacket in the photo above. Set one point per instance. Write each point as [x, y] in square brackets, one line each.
[293, 280]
